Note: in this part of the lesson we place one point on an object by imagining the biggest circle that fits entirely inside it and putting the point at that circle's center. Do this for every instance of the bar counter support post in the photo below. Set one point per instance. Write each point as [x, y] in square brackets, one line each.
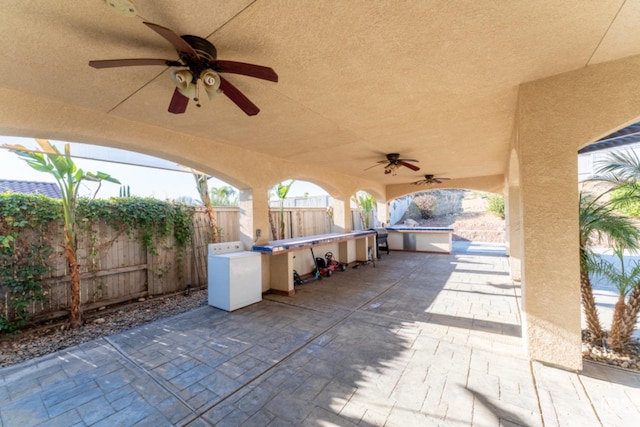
[281, 274]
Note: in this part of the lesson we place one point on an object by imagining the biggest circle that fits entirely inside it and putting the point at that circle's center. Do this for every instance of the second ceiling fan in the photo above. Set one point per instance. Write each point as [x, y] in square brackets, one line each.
[393, 162]
[430, 179]
[197, 66]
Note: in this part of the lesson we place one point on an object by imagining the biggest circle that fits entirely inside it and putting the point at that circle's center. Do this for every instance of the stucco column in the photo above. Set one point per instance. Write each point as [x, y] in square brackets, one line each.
[341, 215]
[507, 222]
[382, 214]
[254, 217]
[514, 230]
[254, 220]
[513, 216]
[548, 175]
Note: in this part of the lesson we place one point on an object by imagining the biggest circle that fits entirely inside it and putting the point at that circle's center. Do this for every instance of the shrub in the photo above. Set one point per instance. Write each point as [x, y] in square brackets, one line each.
[626, 201]
[495, 205]
[427, 204]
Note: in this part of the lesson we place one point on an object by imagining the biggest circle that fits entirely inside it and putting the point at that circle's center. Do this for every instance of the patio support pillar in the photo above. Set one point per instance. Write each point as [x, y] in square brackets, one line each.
[547, 190]
[513, 216]
[382, 214]
[254, 220]
[341, 215]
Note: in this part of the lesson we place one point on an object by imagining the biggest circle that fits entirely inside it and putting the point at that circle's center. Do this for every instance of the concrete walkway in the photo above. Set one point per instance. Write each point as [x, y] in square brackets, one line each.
[419, 340]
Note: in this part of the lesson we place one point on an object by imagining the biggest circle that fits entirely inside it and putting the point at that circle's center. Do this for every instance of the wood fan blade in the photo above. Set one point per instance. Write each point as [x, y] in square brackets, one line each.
[111, 63]
[378, 164]
[238, 98]
[178, 104]
[173, 38]
[251, 70]
[409, 165]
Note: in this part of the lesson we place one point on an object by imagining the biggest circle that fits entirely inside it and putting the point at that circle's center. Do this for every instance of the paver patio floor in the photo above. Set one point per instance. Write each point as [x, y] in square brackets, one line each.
[421, 339]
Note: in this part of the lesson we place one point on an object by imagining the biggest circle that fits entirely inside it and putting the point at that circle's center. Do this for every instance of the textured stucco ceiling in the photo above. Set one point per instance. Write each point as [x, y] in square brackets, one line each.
[433, 80]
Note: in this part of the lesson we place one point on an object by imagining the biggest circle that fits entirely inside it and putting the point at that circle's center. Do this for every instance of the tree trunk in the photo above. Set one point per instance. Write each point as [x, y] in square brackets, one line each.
[630, 317]
[274, 233]
[75, 314]
[214, 224]
[281, 220]
[589, 306]
[615, 336]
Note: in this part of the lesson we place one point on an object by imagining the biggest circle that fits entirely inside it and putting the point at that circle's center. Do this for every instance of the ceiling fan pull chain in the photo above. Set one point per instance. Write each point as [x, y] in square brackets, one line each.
[197, 97]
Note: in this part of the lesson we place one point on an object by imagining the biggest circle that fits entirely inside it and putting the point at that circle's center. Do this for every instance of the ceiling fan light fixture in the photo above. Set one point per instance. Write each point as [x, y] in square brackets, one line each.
[183, 79]
[391, 168]
[211, 81]
[197, 65]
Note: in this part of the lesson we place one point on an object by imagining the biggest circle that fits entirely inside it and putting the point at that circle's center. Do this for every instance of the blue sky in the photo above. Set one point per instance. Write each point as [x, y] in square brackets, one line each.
[143, 181]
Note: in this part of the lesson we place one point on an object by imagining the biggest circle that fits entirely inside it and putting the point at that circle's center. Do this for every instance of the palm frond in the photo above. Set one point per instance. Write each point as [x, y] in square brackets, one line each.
[623, 165]
[599, 221]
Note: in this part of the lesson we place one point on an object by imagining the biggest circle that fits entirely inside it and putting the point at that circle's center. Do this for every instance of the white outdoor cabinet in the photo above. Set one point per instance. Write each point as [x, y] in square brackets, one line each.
[235, 279]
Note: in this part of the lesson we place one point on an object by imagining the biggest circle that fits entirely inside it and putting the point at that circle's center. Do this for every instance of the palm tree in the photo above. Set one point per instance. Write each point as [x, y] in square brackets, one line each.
[622, 171]
[630, 317]
[598, 221]
[625, 280]
[365, 204]
[224, 196]
[68, 177]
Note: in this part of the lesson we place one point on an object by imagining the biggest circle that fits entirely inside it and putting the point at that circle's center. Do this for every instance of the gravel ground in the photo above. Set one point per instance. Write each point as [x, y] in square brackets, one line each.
[629, 359]
[49, 338]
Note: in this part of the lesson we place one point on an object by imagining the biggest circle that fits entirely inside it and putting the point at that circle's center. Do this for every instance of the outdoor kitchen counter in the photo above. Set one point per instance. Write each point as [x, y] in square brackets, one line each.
[348, 247]
[420, 239]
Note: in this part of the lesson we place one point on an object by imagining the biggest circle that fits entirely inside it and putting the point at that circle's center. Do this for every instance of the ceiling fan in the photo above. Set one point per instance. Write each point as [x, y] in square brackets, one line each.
[430, 179]
[393, 162]
[197, 66]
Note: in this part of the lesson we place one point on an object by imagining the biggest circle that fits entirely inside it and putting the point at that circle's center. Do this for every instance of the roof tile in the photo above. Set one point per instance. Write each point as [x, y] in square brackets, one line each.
[49, 189]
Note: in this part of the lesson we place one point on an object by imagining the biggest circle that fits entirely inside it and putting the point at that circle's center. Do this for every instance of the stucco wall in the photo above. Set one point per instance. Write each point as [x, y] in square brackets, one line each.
[556, 117]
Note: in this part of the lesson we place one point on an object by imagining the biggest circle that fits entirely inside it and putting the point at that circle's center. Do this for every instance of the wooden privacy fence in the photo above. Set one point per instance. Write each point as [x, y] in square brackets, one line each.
[116, 266]
[301, 222]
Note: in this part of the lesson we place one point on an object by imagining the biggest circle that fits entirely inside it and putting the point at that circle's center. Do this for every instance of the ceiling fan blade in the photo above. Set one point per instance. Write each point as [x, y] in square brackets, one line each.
[178, 104]
[111, 63]
[251, 70]
[409, 165]
[173, 38]
[378, 164]
[238, 97]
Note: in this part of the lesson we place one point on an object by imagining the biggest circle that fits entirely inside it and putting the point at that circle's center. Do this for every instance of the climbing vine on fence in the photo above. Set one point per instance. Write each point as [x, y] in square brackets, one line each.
[153, 219]
[27, 221]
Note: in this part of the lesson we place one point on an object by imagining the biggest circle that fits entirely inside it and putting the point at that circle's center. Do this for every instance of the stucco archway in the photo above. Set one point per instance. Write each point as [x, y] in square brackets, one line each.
[557, 116]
